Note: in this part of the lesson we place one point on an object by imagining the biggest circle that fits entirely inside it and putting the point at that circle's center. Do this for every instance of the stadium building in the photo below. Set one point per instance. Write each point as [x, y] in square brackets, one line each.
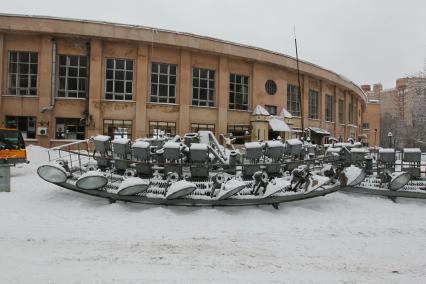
[63, 80]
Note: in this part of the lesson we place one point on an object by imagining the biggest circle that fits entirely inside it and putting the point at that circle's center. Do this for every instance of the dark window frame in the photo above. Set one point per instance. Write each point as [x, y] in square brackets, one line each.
[238, 131]
[116, 127]
[119, 75]
[341, 111]
[293, 100]
[329, 107]
[271, 87]
[22, 73]
[195, 127]
[72, 126]
[66, 65]
[238, 92]
[313, 104]
[169, 127]
[351, 110]
[23, 123]
[163, 80]
[203, 84]
[271, 109]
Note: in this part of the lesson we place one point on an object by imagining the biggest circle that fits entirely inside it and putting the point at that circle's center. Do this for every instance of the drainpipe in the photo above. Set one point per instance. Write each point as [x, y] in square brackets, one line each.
[52, 79]
[87, 116]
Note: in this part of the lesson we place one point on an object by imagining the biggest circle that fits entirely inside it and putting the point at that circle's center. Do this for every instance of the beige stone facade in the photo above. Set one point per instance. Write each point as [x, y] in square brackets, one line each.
[371, 120]
[58, 41]
[402, 112]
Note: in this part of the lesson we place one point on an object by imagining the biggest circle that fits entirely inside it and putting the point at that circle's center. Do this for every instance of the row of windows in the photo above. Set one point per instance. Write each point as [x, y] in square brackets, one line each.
[119, 76]
[293, 105]
[74, 128]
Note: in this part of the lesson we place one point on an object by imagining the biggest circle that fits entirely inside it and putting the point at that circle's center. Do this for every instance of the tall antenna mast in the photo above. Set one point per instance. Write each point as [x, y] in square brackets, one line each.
[300, 87]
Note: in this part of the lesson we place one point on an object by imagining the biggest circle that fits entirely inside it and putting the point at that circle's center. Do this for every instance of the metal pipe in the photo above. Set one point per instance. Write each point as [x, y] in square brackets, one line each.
[86, 106]
[53, 77]
[300, 87]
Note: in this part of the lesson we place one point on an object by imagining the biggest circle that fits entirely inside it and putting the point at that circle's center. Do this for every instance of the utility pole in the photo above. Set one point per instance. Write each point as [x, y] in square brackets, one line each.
[300, 87]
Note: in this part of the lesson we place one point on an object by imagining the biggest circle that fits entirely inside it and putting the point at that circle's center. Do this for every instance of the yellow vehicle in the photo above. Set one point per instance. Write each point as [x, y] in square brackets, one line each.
[12, 147]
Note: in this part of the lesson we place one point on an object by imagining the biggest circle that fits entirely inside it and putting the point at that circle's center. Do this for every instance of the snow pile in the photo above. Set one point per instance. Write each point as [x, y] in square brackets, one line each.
[172, 145]
[140, 144]
[260, 110]
[285, 113]
[121, 141]
[101, 138]
[294, 142]
[53, 235]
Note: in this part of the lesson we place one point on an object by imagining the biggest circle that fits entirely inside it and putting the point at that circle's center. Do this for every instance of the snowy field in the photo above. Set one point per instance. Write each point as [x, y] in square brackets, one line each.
[52, 235]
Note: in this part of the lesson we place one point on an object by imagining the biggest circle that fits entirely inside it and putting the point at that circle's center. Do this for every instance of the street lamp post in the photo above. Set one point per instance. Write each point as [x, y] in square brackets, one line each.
[375, 137]
[390, 135]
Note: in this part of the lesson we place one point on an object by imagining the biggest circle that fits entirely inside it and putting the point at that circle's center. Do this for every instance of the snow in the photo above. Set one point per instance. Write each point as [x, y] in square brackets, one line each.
[273, 144]
[101, 138]
[333, 150]
[279, 125]
[198, 146]
[386, 150]
[294, 142]
[171, 145]
[121, 141]
[92, 174]
[412, 150]
[285, 113]
[359, 150]
[53, 235]
[140, 144]
[260, 110]
[252, 145]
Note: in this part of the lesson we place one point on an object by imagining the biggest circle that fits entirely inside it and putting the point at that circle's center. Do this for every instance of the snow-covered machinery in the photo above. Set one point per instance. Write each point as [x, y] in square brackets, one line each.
[190, 170]
[394, 173]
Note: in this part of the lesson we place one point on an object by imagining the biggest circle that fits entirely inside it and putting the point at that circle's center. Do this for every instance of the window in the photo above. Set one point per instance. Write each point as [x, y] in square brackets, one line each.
[240, 132]
[341, 111]
[22, 73]
[271, 87]
[351, 110]
[366, 126]
[119, 79]
[195, 127]
[313, 104]
[293, 100]
[163, 83]
[118, 128]
[238, 92]
[70, 128]
[25, 124]
[271, 109]
[203, 87]
[162, 127]
[329, 108]
[355, 111]
[72, 76]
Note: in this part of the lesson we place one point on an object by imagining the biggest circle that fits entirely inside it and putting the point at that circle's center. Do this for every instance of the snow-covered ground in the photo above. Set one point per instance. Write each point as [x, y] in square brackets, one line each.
[52, 235]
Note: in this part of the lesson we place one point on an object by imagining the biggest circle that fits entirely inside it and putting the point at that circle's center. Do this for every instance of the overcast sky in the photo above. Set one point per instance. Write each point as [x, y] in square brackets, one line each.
[364, 40]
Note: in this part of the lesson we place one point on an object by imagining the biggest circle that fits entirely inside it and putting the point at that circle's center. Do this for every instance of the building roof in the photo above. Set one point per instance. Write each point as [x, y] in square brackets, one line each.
[260, 110]
[279, 125]
[74, 27]
[319, 130]
[285, 113]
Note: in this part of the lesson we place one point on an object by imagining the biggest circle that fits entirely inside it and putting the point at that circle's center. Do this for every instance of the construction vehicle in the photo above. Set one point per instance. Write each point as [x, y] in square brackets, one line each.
[12, 147]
